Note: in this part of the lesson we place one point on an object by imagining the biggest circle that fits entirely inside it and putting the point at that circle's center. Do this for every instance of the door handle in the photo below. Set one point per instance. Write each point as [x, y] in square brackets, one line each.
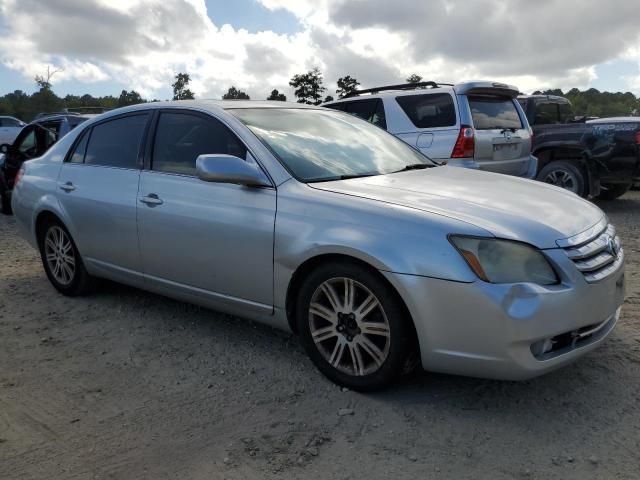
[68, 187]
[151, 200]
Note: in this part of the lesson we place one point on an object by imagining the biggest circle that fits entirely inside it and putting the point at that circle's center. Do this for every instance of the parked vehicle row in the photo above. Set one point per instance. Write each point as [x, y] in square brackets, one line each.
[315, 221]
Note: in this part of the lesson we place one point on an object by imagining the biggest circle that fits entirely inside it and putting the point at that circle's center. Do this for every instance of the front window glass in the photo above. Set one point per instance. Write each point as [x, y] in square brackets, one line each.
[494, 113]
[318, 145]
[546, 113]
[181, 138]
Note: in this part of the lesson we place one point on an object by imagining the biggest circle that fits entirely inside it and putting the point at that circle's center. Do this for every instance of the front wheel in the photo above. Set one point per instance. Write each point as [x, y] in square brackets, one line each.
[353, 326]
[564, 174]
[61, 260]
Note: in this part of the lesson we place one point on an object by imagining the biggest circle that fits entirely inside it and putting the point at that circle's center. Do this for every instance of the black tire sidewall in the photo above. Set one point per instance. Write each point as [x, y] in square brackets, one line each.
[397, 317]
[564, 166]
[79, 284]
[614, 191]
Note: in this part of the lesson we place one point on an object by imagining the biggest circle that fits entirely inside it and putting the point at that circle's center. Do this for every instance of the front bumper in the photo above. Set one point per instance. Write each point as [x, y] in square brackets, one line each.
[499, 331]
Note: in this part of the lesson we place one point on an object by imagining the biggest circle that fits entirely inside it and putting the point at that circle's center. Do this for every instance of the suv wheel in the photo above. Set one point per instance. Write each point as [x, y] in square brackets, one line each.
[565, 175]
[61, 260]
[614, 191]
[353, 327]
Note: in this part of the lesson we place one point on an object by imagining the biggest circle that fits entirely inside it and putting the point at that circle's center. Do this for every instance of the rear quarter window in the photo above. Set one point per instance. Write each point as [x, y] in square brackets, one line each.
[494, 113]
[429, 110]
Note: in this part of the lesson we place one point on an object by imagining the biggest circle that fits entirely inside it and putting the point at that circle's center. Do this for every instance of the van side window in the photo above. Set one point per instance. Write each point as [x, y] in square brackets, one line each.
[116, 143]
[429, 110]
[371, 110]
[181, 137]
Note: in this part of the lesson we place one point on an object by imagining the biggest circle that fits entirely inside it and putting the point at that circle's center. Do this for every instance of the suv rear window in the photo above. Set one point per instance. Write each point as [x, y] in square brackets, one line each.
[429, 110]
[494, 113]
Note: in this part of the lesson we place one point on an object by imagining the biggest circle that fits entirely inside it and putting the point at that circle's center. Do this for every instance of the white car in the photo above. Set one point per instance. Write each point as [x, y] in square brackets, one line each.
[10, 127]
[477, 125]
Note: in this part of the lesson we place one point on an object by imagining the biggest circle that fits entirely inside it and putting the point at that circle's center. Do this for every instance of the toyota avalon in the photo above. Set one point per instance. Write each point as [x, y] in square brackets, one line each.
[315, 221]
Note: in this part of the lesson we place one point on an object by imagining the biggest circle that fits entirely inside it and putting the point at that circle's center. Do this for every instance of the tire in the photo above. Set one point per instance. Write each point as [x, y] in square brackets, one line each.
[5, 203]
[342, 350]
[564, 174]
[56, 247]
[614, 191]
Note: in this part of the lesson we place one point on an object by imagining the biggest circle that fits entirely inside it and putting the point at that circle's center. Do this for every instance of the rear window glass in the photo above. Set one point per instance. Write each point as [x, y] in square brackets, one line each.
[493, 113]
[115, 143]
[430, 110]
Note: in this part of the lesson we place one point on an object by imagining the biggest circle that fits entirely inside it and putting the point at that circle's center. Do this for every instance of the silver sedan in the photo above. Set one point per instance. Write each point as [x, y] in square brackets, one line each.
[318, 222]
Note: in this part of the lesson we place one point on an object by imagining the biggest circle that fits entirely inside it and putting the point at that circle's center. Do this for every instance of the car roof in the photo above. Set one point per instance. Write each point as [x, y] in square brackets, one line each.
[214, 106]
[63, 116]
[616, 120]
[464, 88]
[546, 97]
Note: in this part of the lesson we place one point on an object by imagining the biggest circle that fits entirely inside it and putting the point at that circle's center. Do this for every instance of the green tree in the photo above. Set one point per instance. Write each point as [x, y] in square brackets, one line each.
[129, 98]
[235, 94]
[346, 85]
[308, 87]
[413, 78]
[328, 98]
[275, 95]
[181, 87]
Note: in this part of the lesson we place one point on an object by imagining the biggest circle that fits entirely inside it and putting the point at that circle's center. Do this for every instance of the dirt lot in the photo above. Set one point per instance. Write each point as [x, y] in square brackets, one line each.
[126, 384]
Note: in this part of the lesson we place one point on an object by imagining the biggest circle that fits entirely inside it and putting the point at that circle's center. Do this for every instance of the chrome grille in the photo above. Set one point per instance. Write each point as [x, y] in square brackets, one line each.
[596, 253]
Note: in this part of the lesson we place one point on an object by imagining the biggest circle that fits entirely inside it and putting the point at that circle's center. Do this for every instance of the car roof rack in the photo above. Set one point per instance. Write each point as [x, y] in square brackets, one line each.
[401, 86]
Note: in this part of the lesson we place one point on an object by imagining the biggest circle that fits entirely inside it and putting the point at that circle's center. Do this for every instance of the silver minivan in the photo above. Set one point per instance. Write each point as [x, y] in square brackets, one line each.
[475, 124]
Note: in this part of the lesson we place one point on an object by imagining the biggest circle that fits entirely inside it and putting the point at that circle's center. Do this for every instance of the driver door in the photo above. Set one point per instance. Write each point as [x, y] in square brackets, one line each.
[204, 240]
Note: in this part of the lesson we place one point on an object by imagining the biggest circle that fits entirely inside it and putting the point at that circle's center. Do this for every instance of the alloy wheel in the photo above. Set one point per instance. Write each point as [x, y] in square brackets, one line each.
[59, 254]
[349, 326]
[563, 179]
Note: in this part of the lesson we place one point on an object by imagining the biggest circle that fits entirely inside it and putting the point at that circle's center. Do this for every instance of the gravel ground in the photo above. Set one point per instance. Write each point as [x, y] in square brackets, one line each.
[126, 384]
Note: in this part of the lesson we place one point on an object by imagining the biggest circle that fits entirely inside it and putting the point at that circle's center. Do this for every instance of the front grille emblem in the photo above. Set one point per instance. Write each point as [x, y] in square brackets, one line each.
[612, 246]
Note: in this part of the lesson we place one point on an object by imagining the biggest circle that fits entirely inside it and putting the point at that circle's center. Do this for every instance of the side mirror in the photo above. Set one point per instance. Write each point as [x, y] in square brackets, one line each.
[229, 169]
[5, 147]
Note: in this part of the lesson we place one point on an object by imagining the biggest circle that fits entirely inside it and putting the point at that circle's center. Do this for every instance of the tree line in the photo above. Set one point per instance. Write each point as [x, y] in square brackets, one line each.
[308, 88]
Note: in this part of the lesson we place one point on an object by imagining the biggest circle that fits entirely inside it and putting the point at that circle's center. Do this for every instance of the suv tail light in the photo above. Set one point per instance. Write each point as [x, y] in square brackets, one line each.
[637, 138]
[18, 176]
[465, 144]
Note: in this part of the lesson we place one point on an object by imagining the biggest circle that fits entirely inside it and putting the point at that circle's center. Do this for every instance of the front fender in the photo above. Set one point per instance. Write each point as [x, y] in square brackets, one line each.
[390, 238]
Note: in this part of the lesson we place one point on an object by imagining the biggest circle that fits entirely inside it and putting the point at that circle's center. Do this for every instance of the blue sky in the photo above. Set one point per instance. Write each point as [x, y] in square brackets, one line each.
[106, 46]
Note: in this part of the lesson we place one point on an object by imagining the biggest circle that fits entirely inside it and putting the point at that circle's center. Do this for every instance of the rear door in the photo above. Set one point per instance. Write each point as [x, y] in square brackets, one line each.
[502, 138]
[98, 187]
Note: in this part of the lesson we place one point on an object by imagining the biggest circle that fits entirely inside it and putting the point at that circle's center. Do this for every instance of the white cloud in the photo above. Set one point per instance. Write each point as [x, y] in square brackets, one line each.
[143, 43]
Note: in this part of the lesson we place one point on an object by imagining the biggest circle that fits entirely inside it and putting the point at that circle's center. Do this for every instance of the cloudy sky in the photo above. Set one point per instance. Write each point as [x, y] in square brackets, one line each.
[104, 46]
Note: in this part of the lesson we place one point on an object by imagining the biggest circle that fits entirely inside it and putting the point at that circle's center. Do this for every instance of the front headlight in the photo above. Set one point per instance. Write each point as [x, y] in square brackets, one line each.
[505, 261]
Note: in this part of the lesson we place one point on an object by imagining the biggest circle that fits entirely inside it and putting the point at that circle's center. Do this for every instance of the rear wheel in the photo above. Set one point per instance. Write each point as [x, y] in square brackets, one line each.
[5, 203]
[353, 326]
[61, 260]
[564, 174]
[614, 191]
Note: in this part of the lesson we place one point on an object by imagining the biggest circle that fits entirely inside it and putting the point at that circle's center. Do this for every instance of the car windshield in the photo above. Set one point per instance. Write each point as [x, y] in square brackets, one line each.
[318, 145]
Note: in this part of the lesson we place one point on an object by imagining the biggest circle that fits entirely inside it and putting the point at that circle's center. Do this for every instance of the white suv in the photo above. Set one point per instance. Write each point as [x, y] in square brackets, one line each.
[475, 125]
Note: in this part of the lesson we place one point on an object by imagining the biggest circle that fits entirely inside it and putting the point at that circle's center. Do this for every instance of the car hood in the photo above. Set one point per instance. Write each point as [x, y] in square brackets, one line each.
[507, 207]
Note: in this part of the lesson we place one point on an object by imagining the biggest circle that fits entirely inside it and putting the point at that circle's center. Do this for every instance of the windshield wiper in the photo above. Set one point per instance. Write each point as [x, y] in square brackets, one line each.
[415, 166]
[341, 177]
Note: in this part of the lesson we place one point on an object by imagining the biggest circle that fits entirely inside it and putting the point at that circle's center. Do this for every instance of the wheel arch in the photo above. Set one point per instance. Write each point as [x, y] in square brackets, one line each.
[304, 269]
[576, 155]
